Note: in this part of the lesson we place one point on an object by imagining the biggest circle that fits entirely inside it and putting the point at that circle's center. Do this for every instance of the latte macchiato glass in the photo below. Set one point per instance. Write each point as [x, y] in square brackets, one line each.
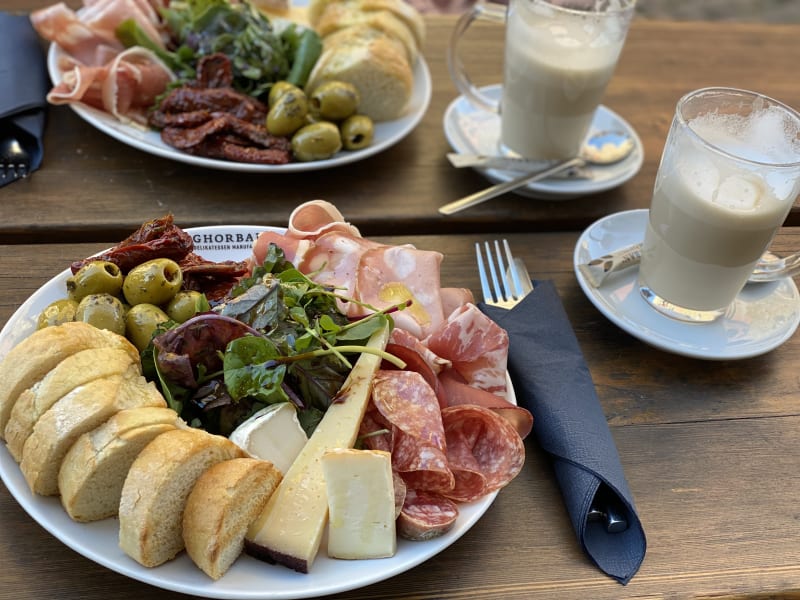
[559, 57]
[729, 174]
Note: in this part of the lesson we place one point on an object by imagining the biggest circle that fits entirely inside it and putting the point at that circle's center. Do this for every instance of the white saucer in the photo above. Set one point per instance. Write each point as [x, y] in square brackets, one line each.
[762, 318]
[471, 130]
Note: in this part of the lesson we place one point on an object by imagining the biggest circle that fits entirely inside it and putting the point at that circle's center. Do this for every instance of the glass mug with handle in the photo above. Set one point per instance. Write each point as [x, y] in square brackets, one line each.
[559, 57]
[729, 174]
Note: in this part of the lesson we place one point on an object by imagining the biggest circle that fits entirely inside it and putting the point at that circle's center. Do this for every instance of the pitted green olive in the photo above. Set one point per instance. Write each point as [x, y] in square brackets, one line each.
[334, 100]
[140, 323]
[288, 114]
[104, 311]
[96, 277]
[316, 141]
[153, 282]
[278, 89]
[186, 304]
[357, 132]
[58, 312]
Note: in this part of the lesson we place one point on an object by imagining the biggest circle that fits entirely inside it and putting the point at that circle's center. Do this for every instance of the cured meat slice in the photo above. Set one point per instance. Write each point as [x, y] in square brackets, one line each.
[425, 516]
[408, 403]
[481, 447]
[477, 347]
[390, 275]
[456, 391]
[312, 219]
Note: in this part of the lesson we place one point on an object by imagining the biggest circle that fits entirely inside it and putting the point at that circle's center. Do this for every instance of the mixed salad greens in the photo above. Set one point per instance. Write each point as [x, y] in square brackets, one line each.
[279, 337]
[262, 52]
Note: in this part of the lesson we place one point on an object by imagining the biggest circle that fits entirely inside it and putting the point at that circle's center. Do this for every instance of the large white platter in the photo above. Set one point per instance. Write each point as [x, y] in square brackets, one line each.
[248, 578]
[387, 133]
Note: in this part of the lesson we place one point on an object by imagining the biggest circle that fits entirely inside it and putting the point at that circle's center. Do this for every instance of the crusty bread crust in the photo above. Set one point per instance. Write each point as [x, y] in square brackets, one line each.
[93, 471]
[35, 356]
[224, 501]
[78, 369]
[85, 408]
[156, 489]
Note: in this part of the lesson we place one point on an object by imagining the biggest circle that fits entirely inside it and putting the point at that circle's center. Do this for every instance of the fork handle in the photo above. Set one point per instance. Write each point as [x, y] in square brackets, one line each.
[502, 188]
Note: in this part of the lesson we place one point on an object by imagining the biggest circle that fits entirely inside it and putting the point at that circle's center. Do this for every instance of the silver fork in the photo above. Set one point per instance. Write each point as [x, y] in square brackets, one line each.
[509, 278]
[14, 160]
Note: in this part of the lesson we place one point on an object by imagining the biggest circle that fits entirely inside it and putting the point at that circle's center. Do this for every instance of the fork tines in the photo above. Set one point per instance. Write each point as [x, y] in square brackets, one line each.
[505, 284]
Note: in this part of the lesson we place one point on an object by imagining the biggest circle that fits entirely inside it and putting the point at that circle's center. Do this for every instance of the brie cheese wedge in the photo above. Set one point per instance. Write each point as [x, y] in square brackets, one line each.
[274, 434]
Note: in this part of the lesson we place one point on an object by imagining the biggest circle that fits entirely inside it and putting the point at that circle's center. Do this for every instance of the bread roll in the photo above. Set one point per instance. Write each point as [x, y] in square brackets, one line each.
[156, 489]
[78, 369]
[376, 68]
[83, 409]
[224, 501]
[92, 473]
[35, 356]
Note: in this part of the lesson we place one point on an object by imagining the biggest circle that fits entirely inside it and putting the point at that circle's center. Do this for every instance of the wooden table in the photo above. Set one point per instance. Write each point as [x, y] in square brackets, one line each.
[710, 449]
[93, 187]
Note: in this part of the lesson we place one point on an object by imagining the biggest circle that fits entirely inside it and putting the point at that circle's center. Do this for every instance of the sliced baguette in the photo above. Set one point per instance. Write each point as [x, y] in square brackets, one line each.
[83, 409]
[375, 67]
[93, 471]
[35, 356]
[341, 15]
[156, 489]
[401, 9]
[226, 499]
[78, 369]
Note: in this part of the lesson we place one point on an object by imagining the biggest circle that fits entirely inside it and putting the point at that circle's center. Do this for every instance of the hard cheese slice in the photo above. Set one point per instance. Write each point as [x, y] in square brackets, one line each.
[361, 503]
[290, 528]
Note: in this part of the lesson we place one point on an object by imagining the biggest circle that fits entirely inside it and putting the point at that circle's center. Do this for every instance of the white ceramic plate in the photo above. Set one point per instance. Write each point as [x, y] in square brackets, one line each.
[762, 317]
[387, 133]
[471, 130]
[248, 578]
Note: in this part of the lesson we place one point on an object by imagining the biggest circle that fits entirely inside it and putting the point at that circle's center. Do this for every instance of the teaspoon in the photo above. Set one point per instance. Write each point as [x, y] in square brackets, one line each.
[603, 148]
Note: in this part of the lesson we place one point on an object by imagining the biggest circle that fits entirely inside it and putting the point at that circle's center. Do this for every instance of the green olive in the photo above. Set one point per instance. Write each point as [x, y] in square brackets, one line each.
[140, 323]
[357, 132]
[153, 282]
[186, 304]
[334, 100]
[316, 141]
[289, 113]
[104, 311]
[58, 312]
[96, 277]
[278, 89]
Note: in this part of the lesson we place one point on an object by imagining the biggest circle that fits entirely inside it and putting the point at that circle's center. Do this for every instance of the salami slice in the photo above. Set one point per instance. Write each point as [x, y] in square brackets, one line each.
[404, 399]
[425, 516]
[480, 441]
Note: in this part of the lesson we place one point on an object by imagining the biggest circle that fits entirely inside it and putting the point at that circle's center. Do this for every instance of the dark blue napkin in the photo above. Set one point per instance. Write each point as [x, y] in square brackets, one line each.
[23, 86]
[551, 380]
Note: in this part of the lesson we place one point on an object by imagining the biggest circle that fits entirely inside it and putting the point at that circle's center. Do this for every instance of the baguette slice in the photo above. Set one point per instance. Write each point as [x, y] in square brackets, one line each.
[93, 471]
[375, 67]
[404, 11]
[342, 15]
[78, 369]
[35, 356]
[83, 409]
[156, 489]
[226, 499]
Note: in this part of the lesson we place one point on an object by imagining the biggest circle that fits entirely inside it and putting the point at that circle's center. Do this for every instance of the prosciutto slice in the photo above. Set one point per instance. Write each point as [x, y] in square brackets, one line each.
[126, 88]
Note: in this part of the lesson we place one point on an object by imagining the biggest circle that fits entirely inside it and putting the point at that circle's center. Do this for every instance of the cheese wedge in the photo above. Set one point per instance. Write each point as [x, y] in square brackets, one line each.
[360, 503]
[272, 434]
[289, 530]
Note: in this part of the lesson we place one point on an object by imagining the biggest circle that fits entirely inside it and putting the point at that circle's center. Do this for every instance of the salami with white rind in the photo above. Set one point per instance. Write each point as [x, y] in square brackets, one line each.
[425, 516]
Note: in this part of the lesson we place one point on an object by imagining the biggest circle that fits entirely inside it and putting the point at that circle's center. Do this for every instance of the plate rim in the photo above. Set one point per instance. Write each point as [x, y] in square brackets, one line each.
[40, 508]
[548, 189]
[663, 342]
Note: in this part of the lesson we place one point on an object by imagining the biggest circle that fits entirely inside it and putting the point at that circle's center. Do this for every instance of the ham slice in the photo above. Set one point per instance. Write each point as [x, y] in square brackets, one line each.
[312, 219]
[126, 88]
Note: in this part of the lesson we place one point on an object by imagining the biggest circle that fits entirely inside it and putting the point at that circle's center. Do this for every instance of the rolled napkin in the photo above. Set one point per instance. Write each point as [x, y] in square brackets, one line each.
[551, 380]
[24, 85]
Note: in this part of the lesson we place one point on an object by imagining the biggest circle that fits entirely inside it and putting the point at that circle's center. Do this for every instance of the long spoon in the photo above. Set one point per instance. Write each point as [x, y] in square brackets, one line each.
[604, 148]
